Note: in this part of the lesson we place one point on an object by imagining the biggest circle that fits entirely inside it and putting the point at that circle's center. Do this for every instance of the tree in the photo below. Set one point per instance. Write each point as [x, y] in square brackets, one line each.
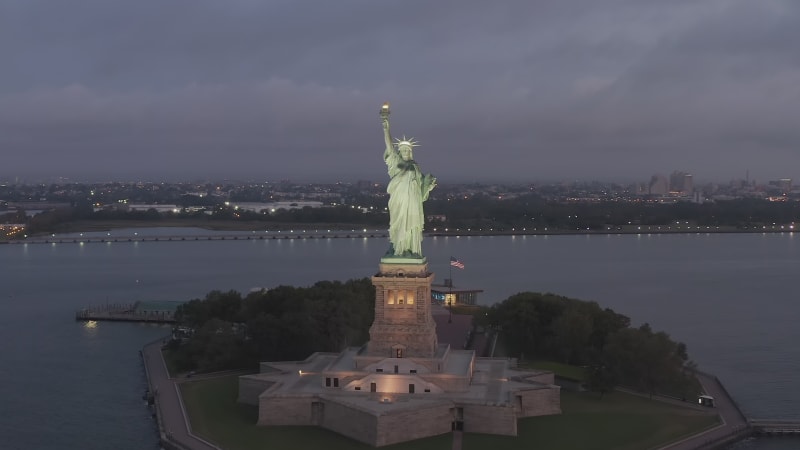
[216, 346]
[547, 326]
[572, 331]
[601, 378]
[216, 305]
[648, 361]
[284, 323]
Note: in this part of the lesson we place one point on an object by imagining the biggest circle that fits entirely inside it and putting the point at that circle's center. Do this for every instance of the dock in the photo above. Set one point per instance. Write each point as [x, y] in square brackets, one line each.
[775, 427]
[141, 311]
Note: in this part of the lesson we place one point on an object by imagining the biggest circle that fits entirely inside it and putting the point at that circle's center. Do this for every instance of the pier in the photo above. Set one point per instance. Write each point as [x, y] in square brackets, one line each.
[144, 311]
[775, 427]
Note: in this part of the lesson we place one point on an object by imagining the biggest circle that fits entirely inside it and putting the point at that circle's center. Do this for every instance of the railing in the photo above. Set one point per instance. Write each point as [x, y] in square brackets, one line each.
[203, 237]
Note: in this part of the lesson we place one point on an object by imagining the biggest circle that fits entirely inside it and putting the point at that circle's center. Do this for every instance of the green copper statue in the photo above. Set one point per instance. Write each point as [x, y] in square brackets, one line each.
[407, 189]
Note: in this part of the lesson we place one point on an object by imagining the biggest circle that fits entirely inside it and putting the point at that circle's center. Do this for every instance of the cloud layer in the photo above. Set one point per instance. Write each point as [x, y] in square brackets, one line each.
[493, 90]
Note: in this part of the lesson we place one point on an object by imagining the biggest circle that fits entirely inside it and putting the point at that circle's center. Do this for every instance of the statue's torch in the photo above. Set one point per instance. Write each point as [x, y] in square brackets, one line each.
[385, 111]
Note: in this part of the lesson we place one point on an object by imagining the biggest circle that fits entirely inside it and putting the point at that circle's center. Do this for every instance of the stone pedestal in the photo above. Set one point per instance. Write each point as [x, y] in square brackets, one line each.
[403, 326]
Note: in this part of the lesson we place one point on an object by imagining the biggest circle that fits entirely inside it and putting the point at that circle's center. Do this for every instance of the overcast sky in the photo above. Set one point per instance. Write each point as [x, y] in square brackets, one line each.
[519, 90]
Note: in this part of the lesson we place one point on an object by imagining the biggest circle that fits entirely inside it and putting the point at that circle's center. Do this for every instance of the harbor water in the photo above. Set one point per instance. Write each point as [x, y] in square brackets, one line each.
[731, 298]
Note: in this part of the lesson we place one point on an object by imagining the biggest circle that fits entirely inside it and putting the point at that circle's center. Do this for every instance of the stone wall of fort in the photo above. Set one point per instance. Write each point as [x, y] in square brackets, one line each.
[539, 402]
[448, 383]
[386, 428]
[490, 419]
[350, 421]
[251, 388]
[414, 424]
[285, 410]
[542, 377]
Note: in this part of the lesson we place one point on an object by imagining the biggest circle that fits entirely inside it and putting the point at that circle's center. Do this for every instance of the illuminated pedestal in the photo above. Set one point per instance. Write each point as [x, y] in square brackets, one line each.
[403, 325]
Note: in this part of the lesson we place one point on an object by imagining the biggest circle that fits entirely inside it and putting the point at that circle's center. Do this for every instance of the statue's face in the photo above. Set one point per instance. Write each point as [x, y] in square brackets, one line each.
[405, 152]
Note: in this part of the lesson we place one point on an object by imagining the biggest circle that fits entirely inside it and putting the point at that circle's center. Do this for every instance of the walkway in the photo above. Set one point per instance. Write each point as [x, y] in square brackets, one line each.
[734, 424]
[172, 421]
[458, 439]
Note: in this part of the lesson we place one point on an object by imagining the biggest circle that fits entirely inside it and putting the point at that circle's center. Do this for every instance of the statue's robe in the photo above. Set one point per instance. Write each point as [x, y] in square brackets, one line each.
[407, 191]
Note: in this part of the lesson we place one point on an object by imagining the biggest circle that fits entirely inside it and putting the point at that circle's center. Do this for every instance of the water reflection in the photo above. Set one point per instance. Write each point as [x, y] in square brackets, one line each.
[90, 329]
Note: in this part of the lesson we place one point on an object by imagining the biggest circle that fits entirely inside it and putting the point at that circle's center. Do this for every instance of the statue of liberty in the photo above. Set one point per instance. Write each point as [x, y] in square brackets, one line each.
[407, 189]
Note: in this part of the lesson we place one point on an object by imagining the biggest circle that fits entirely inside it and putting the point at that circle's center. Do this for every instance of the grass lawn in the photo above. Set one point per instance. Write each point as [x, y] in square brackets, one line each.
[562, 370]
[617, 421]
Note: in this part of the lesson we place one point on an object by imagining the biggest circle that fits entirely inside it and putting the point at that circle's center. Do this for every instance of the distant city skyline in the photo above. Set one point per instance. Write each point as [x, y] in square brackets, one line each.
[663, 181]
[514, 91]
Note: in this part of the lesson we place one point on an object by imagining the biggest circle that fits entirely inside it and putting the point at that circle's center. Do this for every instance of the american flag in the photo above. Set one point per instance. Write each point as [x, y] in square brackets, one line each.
[456, 263]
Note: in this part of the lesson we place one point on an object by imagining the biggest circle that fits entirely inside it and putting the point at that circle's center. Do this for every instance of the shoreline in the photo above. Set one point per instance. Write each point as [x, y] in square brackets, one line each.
[174, 428]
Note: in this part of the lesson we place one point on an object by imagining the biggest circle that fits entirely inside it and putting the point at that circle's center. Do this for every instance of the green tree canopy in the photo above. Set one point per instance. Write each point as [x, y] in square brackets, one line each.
[284, 323]
[570, 331]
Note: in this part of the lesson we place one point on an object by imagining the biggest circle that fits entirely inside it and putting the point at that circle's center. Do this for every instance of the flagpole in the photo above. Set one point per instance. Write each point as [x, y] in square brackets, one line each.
[450, 297]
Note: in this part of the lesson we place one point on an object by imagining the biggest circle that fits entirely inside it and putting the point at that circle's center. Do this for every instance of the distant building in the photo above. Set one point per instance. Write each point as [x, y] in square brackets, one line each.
[784, 185]
[33, 208]
[274, 206]
[9, 230]
[448, 295]
[658, 185]
[366, 185]
[199, 194]
[158, 208]
[681, 183]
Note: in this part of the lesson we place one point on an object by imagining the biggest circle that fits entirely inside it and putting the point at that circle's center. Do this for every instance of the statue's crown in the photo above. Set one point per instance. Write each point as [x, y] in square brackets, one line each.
[408, 142]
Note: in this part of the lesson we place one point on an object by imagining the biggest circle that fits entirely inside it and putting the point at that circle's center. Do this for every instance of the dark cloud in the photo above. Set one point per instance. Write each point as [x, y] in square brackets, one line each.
[493, 90]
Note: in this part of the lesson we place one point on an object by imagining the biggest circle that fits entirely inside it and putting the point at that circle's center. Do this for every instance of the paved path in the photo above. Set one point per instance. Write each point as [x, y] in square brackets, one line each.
[451, 329]
[172, 420]
[734, 423]
[457, 439]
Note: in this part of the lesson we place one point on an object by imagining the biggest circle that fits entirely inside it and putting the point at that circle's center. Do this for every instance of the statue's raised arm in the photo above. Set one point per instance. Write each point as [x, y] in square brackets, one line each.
[408, 189]
[387, 136]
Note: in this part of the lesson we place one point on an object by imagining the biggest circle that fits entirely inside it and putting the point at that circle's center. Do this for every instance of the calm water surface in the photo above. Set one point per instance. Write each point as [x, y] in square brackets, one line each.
[731, 298]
